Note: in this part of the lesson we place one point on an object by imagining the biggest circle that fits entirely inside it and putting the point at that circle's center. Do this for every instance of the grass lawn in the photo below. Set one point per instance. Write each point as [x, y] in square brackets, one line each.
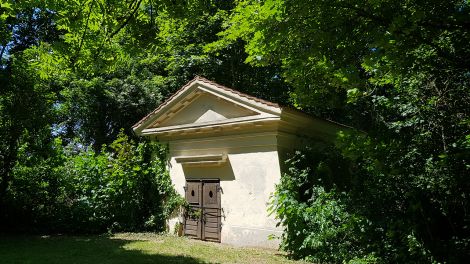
[127, 248]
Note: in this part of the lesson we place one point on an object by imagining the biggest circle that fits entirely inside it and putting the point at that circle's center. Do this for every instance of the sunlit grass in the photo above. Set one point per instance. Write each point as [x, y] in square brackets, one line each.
[127, 248]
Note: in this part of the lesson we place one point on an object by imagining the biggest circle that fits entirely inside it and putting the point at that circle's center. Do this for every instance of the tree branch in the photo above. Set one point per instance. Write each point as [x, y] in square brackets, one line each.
[128, 19]
[75, 58]
[109, 37]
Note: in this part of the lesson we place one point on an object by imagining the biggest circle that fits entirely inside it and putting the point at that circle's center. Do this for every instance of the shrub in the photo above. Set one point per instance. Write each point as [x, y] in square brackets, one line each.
[313, 209]
[352, 210]
[125, 187]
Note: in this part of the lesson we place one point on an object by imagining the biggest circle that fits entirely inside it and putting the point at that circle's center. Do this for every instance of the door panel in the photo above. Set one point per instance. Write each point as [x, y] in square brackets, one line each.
[210, 195]
[203, 221]
[192, 224]
[212, 212]
[193, 190]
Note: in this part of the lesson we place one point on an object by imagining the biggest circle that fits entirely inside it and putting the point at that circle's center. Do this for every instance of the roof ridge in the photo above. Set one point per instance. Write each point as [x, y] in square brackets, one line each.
[164, 102]
[251, 97]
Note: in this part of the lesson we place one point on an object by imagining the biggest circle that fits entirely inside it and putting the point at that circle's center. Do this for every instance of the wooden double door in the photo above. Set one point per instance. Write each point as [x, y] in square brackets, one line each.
[203, 217]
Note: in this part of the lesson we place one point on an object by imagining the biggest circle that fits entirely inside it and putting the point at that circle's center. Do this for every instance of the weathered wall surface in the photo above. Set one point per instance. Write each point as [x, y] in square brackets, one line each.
[247, 181]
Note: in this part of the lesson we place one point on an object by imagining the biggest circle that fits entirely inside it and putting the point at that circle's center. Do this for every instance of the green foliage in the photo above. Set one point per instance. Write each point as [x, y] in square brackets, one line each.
[314, 209]
[396, 70]
[425, 198]
[22, 99]
[95, 109]
[182, 40]
[327, 48]
[6, 13]
[124, 187]
[341, 204]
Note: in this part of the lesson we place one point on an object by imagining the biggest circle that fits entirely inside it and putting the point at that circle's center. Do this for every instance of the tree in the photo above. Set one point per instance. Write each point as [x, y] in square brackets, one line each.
[22, 97]
[129, 57]
[397, 71]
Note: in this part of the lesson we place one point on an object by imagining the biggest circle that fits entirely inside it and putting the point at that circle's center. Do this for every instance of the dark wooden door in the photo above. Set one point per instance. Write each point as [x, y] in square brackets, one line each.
[192, 223]
[203, 219]
[211, 215]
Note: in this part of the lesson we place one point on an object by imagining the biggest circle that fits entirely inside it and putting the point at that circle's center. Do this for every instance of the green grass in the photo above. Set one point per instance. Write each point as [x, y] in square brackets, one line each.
[127, 248]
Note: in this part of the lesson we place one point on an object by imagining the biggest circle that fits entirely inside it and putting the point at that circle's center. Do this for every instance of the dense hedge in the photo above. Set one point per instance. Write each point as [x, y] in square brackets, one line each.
[315, 212]
[125, 187]
[334, 209]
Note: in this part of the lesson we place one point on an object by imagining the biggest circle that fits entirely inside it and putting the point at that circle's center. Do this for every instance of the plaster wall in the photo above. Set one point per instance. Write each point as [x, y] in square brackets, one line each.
[247, 180]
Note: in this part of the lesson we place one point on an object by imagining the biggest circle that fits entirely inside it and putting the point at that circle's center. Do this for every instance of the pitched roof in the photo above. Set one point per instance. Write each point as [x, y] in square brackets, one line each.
[204, 80]
[247, 98]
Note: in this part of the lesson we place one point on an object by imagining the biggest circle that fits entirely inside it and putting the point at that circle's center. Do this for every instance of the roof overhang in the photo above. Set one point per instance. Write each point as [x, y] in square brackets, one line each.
[259, 115]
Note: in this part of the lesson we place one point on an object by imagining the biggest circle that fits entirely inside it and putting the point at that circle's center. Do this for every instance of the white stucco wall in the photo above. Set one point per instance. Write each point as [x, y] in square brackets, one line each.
[247, 181]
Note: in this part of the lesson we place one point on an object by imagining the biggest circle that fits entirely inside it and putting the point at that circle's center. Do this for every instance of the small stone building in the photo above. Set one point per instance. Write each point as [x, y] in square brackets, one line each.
[226, 152]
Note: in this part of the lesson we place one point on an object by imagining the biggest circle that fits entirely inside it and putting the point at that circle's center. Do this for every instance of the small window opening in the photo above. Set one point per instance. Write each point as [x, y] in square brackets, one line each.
[210, 194]
[192, 192]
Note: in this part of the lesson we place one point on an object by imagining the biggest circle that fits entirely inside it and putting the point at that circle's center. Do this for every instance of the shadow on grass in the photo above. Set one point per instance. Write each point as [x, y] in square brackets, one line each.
[67, 249]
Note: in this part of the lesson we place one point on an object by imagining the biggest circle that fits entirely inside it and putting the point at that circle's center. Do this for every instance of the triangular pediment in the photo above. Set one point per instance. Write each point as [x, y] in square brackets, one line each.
[204, 108]
[201, 104]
